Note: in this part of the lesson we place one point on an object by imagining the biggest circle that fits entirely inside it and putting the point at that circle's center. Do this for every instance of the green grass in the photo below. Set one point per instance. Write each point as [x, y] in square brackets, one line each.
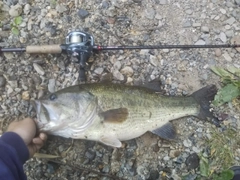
[230, 78]
[223, 144]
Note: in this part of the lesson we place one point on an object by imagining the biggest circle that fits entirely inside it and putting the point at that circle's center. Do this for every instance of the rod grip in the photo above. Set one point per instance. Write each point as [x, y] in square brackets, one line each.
[45, 49]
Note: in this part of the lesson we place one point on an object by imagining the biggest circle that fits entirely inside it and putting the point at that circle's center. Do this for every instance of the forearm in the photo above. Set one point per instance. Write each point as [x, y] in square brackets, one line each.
[13, 154]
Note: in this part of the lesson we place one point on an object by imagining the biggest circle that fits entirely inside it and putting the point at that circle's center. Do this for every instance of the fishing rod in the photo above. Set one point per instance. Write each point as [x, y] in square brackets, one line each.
[81, 46]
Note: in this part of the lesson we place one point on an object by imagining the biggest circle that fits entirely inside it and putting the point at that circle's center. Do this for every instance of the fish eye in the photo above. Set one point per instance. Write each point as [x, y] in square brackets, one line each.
[53, 97]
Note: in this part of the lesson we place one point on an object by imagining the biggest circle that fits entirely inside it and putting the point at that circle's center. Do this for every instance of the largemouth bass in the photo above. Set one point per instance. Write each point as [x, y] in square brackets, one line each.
[111, 113]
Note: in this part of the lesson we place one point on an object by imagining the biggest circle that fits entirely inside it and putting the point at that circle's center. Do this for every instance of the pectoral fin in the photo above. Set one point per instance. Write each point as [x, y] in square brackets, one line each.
[111, 141]
[115, 115]
[167, 131]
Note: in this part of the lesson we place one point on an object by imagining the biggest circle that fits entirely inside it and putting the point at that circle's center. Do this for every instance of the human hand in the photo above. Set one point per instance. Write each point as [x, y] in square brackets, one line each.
[27, 130]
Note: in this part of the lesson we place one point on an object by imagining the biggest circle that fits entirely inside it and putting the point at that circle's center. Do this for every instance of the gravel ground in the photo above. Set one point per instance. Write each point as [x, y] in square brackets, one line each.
[117, 22]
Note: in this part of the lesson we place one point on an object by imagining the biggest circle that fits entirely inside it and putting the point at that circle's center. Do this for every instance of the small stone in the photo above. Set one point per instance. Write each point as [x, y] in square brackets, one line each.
[187, 143]
[106, 169]
[25, 95]
[27, 9]
[187, 24]
[2, 81]
[13, 83]
[174, 153]
[61, 8]
[229, 33]
[216, 18]
[90, 154]
[191, 177]
[218, 52]
[166, 50]
[11, 2]
[150, 13]
[158, 16]
[8, 55]
[196, 24]
[128, 71]
[105, 4]
[223, 11]
[4, 33]
[15, 10]
[189, 11]
[192, 161]
[117, 65]
[61, 148]
[118, 75]
[163, 2]
[82, 13]
[237, 2]
[9, 90]
[205, 29]
[38, 68]
[107, 77]
[230, 20]
[196, 150]
[22, 40]
[144, 51]
[111, 20]
[175, 176]
[51, 85]
[200, 42]
[153, 60]
[29, 25]
[166, 158]
[227, 57]
[99, 70]
[174, 85]
[227, 27]
[111, 12]
[129, 80]
[23, 24]
[223, 37]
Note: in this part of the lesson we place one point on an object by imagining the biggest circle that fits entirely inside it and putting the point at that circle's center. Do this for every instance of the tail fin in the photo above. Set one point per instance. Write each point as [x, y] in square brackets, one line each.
[204, 97]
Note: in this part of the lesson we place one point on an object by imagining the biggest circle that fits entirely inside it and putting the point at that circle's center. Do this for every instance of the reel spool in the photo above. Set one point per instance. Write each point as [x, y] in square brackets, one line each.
[79, 37]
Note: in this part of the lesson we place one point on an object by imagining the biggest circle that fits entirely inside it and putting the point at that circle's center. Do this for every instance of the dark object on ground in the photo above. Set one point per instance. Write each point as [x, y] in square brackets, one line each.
[192, 161]
[236, 170]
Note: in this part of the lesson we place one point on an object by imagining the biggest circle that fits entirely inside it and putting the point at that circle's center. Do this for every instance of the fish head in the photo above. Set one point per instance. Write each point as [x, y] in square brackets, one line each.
[65, 110]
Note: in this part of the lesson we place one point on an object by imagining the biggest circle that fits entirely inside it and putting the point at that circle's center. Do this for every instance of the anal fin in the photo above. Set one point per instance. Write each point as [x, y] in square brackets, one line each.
[167, 131]
[111, 141]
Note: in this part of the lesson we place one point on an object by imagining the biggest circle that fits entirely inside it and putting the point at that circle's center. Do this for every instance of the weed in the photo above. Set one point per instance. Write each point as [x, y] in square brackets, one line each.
[230, 78]
[53, 3]
[222, 146]
[14, 26]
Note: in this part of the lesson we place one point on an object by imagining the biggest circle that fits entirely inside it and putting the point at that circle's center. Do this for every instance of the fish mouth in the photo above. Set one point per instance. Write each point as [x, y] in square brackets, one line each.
[38, 107]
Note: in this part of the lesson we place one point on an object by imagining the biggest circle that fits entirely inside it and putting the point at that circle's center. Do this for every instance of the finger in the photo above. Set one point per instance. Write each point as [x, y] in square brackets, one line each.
[38, 141]
[33, 148]
[43, 136]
